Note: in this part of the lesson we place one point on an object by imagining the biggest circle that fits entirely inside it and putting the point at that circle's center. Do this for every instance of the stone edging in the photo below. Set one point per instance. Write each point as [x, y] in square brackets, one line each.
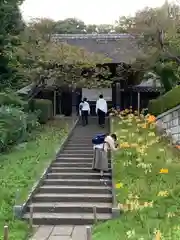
[19, 210]
[115, 209]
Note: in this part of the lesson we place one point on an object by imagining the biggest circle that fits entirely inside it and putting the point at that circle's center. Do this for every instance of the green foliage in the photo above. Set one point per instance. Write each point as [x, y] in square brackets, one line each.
[10, 98]
[166, 72]
[11, 25]
[70, 25]
[20, 169]
[47, 26]
[165, 102]
[149, 199]
[14, 126]
[55, 62]
[159, 31]
[32, 121]
[46, 109]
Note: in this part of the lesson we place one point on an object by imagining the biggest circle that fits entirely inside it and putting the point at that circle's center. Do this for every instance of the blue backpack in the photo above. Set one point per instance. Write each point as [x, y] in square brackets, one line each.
[98, 139]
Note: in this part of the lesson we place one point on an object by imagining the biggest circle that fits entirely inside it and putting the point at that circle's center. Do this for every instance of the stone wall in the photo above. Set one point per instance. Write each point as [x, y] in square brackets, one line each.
[170, 122]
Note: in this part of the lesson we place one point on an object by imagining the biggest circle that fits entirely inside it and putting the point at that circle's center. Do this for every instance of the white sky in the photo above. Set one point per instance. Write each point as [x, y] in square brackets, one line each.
[92, 11]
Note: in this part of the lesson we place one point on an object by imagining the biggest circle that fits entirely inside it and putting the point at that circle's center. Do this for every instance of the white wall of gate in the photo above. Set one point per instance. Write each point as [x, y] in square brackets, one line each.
[93, 94]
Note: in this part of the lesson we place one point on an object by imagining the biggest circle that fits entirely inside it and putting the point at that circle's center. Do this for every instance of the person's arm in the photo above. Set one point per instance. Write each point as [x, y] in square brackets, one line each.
[80, 105]
[89, 110]
[111, 143]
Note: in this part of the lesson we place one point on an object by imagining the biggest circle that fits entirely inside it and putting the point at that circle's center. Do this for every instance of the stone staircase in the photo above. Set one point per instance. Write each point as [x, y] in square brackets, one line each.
[72, 189]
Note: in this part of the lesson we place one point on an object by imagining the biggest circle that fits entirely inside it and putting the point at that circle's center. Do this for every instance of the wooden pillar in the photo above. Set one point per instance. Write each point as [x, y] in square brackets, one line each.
[118, 94]
[54, 110]
[139, 102]
[131, 99]
[59, 102]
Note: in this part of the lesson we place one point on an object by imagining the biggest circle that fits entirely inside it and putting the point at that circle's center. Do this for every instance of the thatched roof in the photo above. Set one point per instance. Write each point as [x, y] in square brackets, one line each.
[118, 47]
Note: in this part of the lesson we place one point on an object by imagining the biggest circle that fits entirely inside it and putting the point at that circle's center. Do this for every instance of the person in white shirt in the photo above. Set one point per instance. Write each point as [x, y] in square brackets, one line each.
[101, 110]
[100, 161]
[84, 111]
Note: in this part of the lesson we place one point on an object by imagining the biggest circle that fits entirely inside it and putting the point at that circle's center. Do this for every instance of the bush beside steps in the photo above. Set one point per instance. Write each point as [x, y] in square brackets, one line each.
[165, 102]
[45, 108]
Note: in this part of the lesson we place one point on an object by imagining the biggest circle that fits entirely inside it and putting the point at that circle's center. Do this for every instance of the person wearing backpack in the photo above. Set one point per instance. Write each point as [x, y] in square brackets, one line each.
[102, 144]
[101, 110]
[84, 111]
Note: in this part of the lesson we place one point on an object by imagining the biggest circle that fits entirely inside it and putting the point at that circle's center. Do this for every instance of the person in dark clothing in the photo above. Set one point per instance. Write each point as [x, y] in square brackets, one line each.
[84, 111]
[101, 110]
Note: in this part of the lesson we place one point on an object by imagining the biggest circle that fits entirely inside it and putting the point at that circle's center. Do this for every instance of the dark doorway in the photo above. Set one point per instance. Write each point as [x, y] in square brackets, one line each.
[66, 102]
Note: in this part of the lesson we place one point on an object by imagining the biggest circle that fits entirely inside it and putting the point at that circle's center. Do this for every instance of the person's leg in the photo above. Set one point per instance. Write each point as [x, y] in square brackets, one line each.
[86, 117]
[94, 160]
[83, 118]
[103, 118]
[99, 117]
[104, 163]
[101, 114]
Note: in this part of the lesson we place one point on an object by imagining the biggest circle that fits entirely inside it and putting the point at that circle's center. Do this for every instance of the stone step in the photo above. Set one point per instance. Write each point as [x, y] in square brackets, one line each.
[67, 197]
[77, 182]
[86, 133]
[71, 207]
[79, 148]
[71, 188]
[93, 175]
[76, 155]
[75, 189]
[79, 151]
[66, 218]
[74, 164]
[82, 141]
[74, 159]
[77, 144]
[81, 136]
[72, 170]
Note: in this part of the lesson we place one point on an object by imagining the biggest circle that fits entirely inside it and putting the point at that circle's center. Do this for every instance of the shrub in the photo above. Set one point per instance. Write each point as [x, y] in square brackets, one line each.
[165, 102]
[45, 107]
[12, 99]
[32, 120]
[14, 126]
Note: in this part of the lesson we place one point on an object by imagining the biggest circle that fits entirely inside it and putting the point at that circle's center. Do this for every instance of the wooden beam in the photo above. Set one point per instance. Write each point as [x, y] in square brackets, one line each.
[139, 102]
[54, 103]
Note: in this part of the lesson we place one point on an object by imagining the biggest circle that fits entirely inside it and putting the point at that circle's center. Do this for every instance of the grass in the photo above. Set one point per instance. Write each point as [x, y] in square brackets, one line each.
[150, 200]
[21, 168]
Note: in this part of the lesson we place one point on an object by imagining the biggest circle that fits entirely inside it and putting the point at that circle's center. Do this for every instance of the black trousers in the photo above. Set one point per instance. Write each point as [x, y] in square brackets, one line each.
[101, 117]
[84, 115]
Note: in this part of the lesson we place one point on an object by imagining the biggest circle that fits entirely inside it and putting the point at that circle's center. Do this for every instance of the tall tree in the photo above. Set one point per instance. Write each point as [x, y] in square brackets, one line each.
[44, 27]
[11, 25]
[158, 37]
[105, 28]
[124, 24]
[91, 28]
[70, 25]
